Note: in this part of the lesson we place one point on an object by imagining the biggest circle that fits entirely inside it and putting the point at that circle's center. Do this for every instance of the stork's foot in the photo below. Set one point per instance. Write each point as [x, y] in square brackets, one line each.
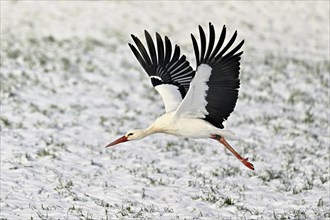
[225, 143]
[247, 163]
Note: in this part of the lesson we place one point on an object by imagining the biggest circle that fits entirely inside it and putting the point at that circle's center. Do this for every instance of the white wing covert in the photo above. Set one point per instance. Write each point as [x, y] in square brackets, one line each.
[171, 96]
[193, 105]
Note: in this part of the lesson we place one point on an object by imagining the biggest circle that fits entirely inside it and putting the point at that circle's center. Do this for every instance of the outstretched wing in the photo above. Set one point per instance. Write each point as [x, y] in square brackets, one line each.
[214, 90]
[169, 74]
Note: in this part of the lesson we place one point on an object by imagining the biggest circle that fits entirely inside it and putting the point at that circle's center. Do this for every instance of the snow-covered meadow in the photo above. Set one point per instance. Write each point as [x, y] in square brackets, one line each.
[70, 85]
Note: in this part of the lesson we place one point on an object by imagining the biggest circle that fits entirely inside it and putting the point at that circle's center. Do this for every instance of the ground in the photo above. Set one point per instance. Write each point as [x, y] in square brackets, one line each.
[70, 85]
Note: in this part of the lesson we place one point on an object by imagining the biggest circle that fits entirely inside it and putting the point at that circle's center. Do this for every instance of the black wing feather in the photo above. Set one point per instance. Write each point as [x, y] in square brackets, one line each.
[195, 49]
[211, 41]
[151, 47]
[168, 50]
[224, 80]
[219, 44]
[138, 56]
[170, 68]
[160, 49]
[203, 42]
[142, 50]
[224, 50]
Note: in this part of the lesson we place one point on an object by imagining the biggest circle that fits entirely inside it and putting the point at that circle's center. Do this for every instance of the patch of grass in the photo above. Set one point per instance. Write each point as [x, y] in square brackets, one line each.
[290, 214]
[309, 117]
[13, 54]
[212, 196]
[64, 185]
[56, 108]
[152, 180]
[103, 120]
[244, 209]
[308, 185]
[299, 96]
[45, 152]
[278, 129]
[320, 203]
[172, 146]
[5, 121]
[65, 189]
[299, 214]
[228, 201]
[269, 175]
[324, 179]
[125, 211]
[296, 190]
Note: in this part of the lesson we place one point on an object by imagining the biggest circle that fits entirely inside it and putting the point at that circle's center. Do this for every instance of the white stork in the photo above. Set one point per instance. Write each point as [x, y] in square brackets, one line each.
[196, 102]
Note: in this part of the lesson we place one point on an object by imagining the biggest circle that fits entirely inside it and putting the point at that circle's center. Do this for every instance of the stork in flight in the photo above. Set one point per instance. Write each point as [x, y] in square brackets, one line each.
[196, 102]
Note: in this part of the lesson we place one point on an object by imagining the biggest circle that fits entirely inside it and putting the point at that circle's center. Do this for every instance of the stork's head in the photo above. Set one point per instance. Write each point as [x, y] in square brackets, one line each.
[129, 136]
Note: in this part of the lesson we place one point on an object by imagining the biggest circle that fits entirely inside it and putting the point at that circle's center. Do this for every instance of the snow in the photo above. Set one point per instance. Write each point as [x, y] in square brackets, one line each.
[70, 85]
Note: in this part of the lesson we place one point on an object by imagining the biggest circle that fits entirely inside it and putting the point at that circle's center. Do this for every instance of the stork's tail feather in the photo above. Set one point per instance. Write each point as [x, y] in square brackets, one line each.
[229, 135]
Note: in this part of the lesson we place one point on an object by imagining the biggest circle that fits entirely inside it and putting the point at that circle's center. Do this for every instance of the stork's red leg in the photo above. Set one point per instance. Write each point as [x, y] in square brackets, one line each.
[225, 143]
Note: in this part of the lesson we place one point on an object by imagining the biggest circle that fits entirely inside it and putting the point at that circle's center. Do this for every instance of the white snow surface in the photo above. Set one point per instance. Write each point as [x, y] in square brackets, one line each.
[70, 85]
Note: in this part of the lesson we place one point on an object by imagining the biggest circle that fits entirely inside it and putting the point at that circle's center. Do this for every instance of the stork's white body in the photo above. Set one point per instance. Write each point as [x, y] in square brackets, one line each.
[196, 102]
[184, 117]
[170, 123]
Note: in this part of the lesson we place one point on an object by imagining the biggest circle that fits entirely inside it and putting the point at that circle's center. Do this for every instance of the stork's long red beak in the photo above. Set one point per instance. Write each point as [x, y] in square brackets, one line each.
[118, 141]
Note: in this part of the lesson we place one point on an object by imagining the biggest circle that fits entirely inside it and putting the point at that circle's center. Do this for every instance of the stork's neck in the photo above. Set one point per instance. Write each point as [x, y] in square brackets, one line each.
[159, 126]
[152, 129]
[141, 133]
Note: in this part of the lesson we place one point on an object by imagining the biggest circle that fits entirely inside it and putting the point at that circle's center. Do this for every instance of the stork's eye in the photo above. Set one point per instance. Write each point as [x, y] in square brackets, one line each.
[129, 134]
